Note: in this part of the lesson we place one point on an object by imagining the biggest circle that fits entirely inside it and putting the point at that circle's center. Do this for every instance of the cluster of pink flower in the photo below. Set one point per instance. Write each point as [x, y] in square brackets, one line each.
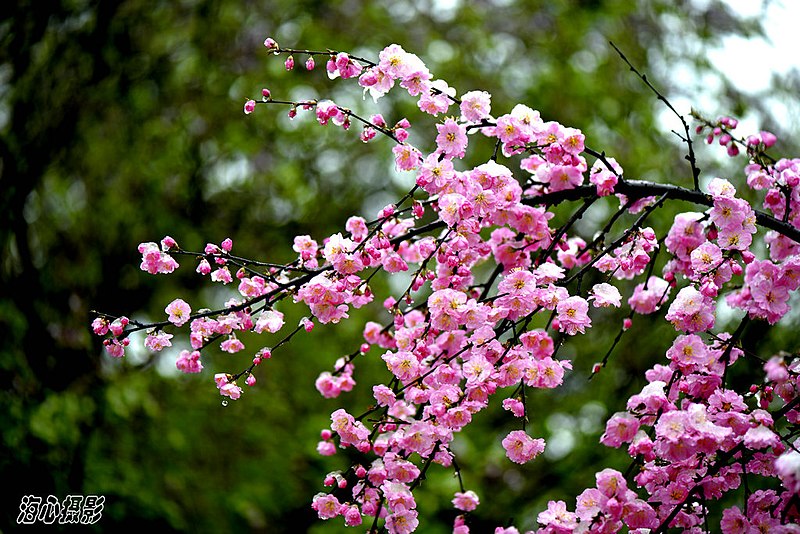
[465, 342]
[704, 438]
[722, 130]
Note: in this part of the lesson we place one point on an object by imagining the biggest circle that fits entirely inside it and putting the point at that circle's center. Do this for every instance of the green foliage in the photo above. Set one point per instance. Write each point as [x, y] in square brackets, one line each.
[121, 122]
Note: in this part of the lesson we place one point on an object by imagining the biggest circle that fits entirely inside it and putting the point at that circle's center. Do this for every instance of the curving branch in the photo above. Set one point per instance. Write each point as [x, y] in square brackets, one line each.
[642, 188]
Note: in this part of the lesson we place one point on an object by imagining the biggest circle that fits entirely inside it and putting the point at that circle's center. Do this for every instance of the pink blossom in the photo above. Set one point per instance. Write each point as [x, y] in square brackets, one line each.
[475, 105]
[437, 99]
[561, 177]
[572, 315]
[155, 261]
[787, 466]
[100, 326]
[605, 295]
[688, 352]
[189, 362]
[249, 107]
[611, 483]
[402, 521]
[326, 505]
[402, 364]
[326, 448]
[604, 178]
[227, 388]
[648, 300]
[115, 347]
[521, 448]
[466, 501]
[179, 312]
[452, 139]
[691, 311]
[407, 158]
[557, 517]
[515, 406]
[706, 257]
[734, 522]
[621, 428]
[222, 275]
[232, 345]
[270, 321]
[158, 341]
[345, 66]
[760, 437]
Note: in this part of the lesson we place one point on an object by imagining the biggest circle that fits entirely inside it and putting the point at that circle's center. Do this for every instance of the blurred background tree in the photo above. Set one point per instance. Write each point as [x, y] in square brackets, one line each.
[120, 122]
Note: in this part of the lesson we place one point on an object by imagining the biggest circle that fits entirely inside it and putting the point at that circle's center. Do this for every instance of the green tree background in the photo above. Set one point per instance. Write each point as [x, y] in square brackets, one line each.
[120, 122]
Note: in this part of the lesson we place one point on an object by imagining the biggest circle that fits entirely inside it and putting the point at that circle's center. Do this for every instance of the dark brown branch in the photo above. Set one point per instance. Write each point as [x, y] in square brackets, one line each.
[641, 188]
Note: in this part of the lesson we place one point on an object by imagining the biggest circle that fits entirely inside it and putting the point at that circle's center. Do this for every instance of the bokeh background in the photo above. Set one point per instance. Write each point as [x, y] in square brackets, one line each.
[121, 122]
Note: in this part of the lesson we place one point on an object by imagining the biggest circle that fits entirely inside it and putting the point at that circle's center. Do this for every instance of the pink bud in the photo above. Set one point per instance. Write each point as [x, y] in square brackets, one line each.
[736, 269]
[361, 472]
[310, 63]
[724, 139]
[364, 348]
[753, 140]
[342, 483]
[167, 243]
[368, 134]
[227, 245]
[326, 434]
[387, 211]
[292, 112]
[403, 123]
[378, 120]
[270, 43]
[364, 446]
[733, 150]
[249, 107]
[289, 63]
[768, 138]
[265, 95]
[329, 480]
[748, 257]
[417, 209]
[257, 360]
[204, 267]
[401, 134]
[709, 289]
[368, 79]
[596, 368]
[251, 380]
[627, 323]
